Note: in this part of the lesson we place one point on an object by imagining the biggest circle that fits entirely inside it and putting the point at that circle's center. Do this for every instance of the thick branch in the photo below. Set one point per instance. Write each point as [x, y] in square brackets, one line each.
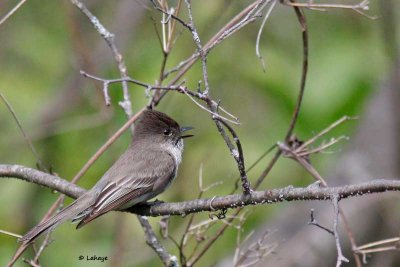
[41, 178]
[215, 203]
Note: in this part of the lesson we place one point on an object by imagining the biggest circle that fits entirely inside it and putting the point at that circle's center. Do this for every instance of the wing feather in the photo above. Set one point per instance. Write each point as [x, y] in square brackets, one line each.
[134, 184]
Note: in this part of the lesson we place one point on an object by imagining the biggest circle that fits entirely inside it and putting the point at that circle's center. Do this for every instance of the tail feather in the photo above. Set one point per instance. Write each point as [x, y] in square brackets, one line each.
[64, 215]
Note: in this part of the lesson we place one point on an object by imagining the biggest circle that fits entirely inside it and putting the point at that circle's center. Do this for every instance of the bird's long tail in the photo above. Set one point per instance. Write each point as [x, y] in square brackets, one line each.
[64, 215]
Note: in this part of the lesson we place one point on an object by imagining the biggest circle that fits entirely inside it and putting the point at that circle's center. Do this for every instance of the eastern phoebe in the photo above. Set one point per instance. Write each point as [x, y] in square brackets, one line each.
[142, 172]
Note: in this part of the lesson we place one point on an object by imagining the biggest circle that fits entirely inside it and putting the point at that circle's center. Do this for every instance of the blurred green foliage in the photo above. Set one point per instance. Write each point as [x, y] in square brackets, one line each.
[39, 70]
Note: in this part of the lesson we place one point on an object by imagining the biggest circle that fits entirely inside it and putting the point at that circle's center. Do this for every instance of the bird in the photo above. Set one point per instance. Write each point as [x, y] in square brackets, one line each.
[143, 171]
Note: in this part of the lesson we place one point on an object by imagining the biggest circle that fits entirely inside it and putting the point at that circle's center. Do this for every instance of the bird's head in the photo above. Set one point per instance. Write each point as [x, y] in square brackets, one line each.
[157, 127]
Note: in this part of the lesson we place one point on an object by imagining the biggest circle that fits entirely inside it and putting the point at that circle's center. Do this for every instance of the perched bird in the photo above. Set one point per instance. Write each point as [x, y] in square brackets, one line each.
[142, 172]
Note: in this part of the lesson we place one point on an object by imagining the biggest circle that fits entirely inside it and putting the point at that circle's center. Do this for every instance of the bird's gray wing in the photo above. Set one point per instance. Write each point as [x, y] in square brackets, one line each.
[131, 183]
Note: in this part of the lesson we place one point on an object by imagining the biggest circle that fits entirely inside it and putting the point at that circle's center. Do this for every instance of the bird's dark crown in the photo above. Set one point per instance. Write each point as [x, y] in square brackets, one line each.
[155, 122]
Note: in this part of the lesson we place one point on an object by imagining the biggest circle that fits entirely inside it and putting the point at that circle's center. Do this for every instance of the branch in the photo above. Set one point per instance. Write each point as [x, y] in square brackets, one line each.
[151, 239]
[109, 38]
[41, 178]
[216, 203]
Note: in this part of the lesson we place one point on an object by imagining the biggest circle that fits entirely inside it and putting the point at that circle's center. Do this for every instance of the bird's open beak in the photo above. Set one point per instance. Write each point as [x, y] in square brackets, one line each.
[184, 129]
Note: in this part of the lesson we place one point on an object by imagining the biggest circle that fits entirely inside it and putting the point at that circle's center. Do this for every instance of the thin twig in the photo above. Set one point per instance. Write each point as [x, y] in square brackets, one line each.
[314, 222]
[271, 7]
[238, 155]
[200, 50]
[47, 241]
[325, 131]
[10, 234]
[304, 29]
[12, 11]
[380, 242]
[179, 88]
[26, 137]
[239, 21]
[340, 257]
[109, 38]
[169, 260]
[303, 24]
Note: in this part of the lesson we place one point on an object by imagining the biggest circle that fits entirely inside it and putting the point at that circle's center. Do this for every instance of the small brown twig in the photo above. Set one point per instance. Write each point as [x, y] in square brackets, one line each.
[304, 30]
[303, 23]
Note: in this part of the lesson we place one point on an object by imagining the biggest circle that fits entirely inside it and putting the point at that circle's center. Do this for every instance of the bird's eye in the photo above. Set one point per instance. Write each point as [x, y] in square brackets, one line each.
[167, 132]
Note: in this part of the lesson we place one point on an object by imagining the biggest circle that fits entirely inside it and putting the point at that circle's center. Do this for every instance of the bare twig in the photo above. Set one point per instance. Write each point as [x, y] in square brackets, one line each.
[47, 241]
[12, 11]
[256, 251]
[200, 50]
[359, 8]
[10, 233]
[179, 88]
[151, 239]
[304, 29]
[325, 131]
[109, 38]
[189, 228]
[303, 24]
[378, 246]
[314, 222]
[271, 7]
[26, 137]
[263, 155]
[340, 257]
[169, 14]
[242, 19]
[238, 155]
